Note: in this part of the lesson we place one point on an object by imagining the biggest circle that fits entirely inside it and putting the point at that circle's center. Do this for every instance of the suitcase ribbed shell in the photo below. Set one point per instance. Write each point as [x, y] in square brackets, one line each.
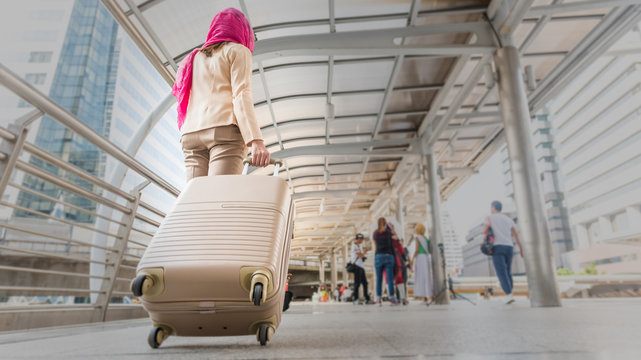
[219, 226]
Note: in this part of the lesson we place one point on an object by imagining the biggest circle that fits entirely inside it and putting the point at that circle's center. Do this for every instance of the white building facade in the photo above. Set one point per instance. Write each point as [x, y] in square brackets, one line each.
[598, 122]
[451, 246]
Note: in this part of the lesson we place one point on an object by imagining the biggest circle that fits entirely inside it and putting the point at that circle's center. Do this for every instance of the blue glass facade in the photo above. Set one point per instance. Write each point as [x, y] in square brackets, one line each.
[81, 85]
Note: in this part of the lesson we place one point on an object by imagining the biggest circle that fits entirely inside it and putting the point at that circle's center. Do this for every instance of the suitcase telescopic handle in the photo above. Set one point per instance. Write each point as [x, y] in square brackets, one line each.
[276, 162]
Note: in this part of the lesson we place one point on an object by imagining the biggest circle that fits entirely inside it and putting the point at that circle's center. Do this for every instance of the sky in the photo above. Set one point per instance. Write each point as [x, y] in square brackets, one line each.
[471, 201]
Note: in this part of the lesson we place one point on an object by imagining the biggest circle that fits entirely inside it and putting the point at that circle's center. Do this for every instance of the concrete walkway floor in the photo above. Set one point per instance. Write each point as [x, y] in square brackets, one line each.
[581, 329]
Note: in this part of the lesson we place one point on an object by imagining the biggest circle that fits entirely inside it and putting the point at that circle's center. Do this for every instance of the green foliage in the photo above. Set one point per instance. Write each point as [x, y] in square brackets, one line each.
[591, 270]
[588, 270]
[563, 271]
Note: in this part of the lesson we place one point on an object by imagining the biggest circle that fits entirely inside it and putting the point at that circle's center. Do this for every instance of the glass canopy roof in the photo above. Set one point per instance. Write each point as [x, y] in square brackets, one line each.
[403, 77]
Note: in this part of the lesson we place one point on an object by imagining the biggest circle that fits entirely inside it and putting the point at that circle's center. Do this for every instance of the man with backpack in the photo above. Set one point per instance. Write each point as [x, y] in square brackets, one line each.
[503, 229]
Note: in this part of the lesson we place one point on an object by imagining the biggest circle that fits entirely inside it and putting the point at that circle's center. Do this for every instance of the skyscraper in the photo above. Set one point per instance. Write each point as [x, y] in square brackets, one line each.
[79, 85]
[105, 81]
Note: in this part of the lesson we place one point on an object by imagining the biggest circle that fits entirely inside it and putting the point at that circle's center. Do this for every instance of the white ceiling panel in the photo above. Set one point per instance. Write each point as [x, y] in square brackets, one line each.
[350, 8]
[300, 109]
[263, 12]
[305, 160]
[357, 104]
[355, 125]
[299, 80]
[303, 142]
[360, 76]
[350, 139]
[291, 31]
[294, 131]
[561, 35]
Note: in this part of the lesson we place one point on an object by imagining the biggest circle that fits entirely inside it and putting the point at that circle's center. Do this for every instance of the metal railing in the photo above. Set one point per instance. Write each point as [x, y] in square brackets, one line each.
[45, 276]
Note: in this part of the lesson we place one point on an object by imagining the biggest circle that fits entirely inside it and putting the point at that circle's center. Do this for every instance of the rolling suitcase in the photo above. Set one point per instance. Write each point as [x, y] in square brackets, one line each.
[217, 265]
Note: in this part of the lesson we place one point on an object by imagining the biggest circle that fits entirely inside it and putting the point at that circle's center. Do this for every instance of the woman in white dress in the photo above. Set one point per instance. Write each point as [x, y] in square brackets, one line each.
[422, 273]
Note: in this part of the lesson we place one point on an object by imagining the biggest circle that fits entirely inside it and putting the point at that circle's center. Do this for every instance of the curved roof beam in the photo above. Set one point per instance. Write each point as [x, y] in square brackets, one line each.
[379, 148]
[351, 92]
[378, 42]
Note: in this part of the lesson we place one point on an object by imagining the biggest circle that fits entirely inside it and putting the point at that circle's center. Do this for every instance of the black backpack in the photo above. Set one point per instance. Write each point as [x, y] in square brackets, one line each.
[487, 246]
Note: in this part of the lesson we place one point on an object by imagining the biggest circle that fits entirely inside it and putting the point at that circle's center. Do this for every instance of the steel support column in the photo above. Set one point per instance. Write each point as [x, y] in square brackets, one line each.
[400, 217]
[528, 196]
[440, 285]
[345, 260]
[334, 272]
[321, 272]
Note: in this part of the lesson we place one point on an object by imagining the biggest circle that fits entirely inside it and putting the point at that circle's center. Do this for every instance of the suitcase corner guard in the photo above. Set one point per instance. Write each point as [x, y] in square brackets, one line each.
[148, 282]
[251, 276]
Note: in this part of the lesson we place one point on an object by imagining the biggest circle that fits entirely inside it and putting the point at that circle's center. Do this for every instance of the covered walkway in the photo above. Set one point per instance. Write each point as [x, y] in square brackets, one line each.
[581, 329]
[377, 108]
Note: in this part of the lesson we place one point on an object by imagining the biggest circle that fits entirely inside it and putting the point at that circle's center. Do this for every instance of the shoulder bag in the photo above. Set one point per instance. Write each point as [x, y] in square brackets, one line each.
[487, 246]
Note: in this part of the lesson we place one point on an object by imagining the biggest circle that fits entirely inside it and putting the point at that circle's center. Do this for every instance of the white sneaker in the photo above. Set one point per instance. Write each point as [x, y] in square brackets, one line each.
[509, 299]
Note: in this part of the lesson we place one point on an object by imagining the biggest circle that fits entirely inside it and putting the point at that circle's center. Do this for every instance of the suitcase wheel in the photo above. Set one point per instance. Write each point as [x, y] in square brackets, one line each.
[264, 334]
[140, 283]
[258, 294]
[259, 287]
[156, 336]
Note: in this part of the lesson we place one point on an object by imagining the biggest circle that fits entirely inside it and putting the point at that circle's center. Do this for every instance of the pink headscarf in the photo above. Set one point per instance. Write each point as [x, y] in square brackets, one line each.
[228, 25]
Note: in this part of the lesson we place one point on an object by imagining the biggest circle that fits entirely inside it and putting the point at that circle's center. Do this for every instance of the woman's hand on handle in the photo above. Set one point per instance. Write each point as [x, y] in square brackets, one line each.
[260, 154]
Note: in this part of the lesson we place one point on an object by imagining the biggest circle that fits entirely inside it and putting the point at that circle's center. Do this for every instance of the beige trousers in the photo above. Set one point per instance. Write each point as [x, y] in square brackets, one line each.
[214, 151]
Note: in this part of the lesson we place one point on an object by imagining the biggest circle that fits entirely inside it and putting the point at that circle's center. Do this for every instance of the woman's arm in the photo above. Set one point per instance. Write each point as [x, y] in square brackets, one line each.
[240, 59]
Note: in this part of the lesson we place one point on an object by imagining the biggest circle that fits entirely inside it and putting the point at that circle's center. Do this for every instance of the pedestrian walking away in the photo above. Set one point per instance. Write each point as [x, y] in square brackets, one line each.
[384, 260]
[504, 230]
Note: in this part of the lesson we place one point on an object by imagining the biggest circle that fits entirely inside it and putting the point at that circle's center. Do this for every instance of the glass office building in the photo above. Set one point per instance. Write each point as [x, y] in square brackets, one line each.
[80, 86]
[106, 82]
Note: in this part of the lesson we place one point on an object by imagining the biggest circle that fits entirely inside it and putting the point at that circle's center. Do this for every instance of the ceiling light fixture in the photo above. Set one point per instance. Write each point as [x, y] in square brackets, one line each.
[330, 112]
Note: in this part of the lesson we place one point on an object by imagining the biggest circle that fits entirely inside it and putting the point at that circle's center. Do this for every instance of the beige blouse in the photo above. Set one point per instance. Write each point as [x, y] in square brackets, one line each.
[221, 92]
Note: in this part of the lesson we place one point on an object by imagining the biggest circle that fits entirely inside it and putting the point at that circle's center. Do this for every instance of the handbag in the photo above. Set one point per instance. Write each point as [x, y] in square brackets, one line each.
[350, 267]
[487, 246]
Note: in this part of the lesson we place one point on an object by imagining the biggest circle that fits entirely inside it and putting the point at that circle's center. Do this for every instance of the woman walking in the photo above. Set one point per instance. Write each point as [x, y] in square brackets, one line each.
[421, 260]
[215, 108]
[384, 260]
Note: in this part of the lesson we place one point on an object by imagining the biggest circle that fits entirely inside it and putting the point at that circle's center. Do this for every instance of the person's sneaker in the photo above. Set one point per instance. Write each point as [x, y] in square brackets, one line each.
[509, 299]
[379, 303]
[394, 302]
[370, 302]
